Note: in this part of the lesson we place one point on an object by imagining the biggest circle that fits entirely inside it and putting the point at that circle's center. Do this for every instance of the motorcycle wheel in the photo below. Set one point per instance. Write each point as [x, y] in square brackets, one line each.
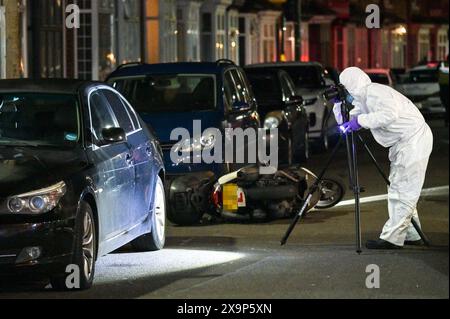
[332, 192]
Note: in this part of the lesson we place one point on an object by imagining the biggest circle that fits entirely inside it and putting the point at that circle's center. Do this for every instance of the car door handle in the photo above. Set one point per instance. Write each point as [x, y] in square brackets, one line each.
[129, 160]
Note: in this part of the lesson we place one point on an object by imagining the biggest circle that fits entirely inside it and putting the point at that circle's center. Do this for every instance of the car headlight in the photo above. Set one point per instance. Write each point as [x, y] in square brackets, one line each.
[37, 202]
[188, 146]
[271, 123]
[208, 142]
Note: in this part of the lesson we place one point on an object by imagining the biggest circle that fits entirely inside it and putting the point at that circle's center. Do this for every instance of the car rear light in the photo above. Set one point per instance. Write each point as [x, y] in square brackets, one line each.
[217, 197]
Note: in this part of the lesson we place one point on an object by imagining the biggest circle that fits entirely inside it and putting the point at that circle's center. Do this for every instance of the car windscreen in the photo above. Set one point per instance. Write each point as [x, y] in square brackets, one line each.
[266, 88]
[379, 78]
[169, 93]
[309, 77]
[39, 119]
[423, 76]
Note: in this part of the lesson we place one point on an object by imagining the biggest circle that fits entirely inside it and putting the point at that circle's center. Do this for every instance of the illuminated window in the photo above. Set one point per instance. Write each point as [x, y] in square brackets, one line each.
[442, 44]
[233, 36]
[220, 35]
[423, 45]
[268, 40]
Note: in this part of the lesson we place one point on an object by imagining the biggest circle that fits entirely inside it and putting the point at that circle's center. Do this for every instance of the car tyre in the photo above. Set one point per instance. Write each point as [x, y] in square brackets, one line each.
[85, 251]
[155, 240]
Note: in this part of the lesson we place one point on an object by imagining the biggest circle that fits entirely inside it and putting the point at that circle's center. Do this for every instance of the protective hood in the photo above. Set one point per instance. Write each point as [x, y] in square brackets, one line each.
[356, 82]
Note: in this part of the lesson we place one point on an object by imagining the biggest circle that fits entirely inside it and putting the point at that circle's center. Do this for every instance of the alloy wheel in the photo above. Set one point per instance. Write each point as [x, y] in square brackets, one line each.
[160, 211]
[88, 245]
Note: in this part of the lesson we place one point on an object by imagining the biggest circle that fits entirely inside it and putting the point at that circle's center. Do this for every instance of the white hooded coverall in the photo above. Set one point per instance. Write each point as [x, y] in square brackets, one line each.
[395, 123]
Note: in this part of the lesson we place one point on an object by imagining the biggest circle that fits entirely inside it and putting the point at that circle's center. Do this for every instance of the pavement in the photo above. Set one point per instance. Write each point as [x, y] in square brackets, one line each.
[241, 260]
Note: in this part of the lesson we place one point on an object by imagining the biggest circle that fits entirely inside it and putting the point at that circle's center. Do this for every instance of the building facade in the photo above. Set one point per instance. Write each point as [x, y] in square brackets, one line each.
[35, 41]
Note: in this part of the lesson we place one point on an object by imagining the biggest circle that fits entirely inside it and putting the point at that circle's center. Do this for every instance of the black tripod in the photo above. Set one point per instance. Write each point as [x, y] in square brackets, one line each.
[352, 161]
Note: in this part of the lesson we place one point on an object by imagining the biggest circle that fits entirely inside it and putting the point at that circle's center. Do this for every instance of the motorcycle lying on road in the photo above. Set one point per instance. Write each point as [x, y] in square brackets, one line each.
[248, 195]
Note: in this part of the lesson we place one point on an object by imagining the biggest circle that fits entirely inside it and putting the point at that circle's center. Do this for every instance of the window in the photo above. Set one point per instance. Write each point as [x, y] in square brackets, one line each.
[288, 90]
[268, 42]
[129, 29]
[289, 42]
[188, 31]
[423, 76]
[106, 39]
[169, 92]
[101, 116]
[424, 45]
[39, 119]
[231, 95]
[442, 45]
[398, 50]
[233, 34]
[268, 99]
[206, 37]
[132, 113]
[84, 42]
[48, 38]
[119, 110]
[168, 31]
[220, 35]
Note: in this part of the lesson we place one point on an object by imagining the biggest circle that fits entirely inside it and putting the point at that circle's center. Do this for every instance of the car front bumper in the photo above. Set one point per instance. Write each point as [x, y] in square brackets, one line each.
[54, 241]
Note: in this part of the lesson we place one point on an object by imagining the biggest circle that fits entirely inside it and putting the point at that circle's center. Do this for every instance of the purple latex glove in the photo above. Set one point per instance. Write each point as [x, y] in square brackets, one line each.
[351, 126]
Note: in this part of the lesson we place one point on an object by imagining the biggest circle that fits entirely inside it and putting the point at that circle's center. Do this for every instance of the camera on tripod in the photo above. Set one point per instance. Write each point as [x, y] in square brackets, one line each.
[336, 94]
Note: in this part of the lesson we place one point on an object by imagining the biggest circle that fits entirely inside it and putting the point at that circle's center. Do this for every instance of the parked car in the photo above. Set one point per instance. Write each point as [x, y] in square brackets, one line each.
[310, 83]
[173, 95]
[80, 176]
[382, 76]
[280, 107]
[421, 86]
[331, 76]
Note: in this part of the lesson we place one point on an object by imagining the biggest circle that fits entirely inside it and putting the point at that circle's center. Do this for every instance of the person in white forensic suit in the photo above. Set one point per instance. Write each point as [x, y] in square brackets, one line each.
[397, 124]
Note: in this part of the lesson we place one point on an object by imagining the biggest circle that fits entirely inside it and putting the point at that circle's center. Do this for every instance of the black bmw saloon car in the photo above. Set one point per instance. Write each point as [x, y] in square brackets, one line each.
[80, 176]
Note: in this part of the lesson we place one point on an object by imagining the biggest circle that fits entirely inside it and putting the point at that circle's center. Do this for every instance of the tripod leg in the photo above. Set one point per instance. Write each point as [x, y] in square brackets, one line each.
[296, 219]
[357, 192]
[421, 233]
[314, 188]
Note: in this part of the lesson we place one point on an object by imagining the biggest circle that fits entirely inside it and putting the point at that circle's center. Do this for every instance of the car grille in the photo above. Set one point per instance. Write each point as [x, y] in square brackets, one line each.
[8, 257]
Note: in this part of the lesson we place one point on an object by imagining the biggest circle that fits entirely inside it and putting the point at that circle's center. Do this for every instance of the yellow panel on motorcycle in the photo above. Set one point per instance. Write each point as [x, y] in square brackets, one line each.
[230, 197]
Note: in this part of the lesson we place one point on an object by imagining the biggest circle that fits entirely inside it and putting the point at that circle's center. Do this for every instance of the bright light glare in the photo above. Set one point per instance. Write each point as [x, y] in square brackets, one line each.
[125, 266]
[343, 129]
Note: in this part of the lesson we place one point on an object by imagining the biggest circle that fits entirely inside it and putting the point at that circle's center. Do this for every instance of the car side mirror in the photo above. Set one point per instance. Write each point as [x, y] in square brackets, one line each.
[240, 106]
[113, 135]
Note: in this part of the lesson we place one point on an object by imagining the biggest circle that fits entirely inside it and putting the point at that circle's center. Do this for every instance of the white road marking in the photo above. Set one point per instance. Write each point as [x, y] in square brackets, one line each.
[435, 191]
